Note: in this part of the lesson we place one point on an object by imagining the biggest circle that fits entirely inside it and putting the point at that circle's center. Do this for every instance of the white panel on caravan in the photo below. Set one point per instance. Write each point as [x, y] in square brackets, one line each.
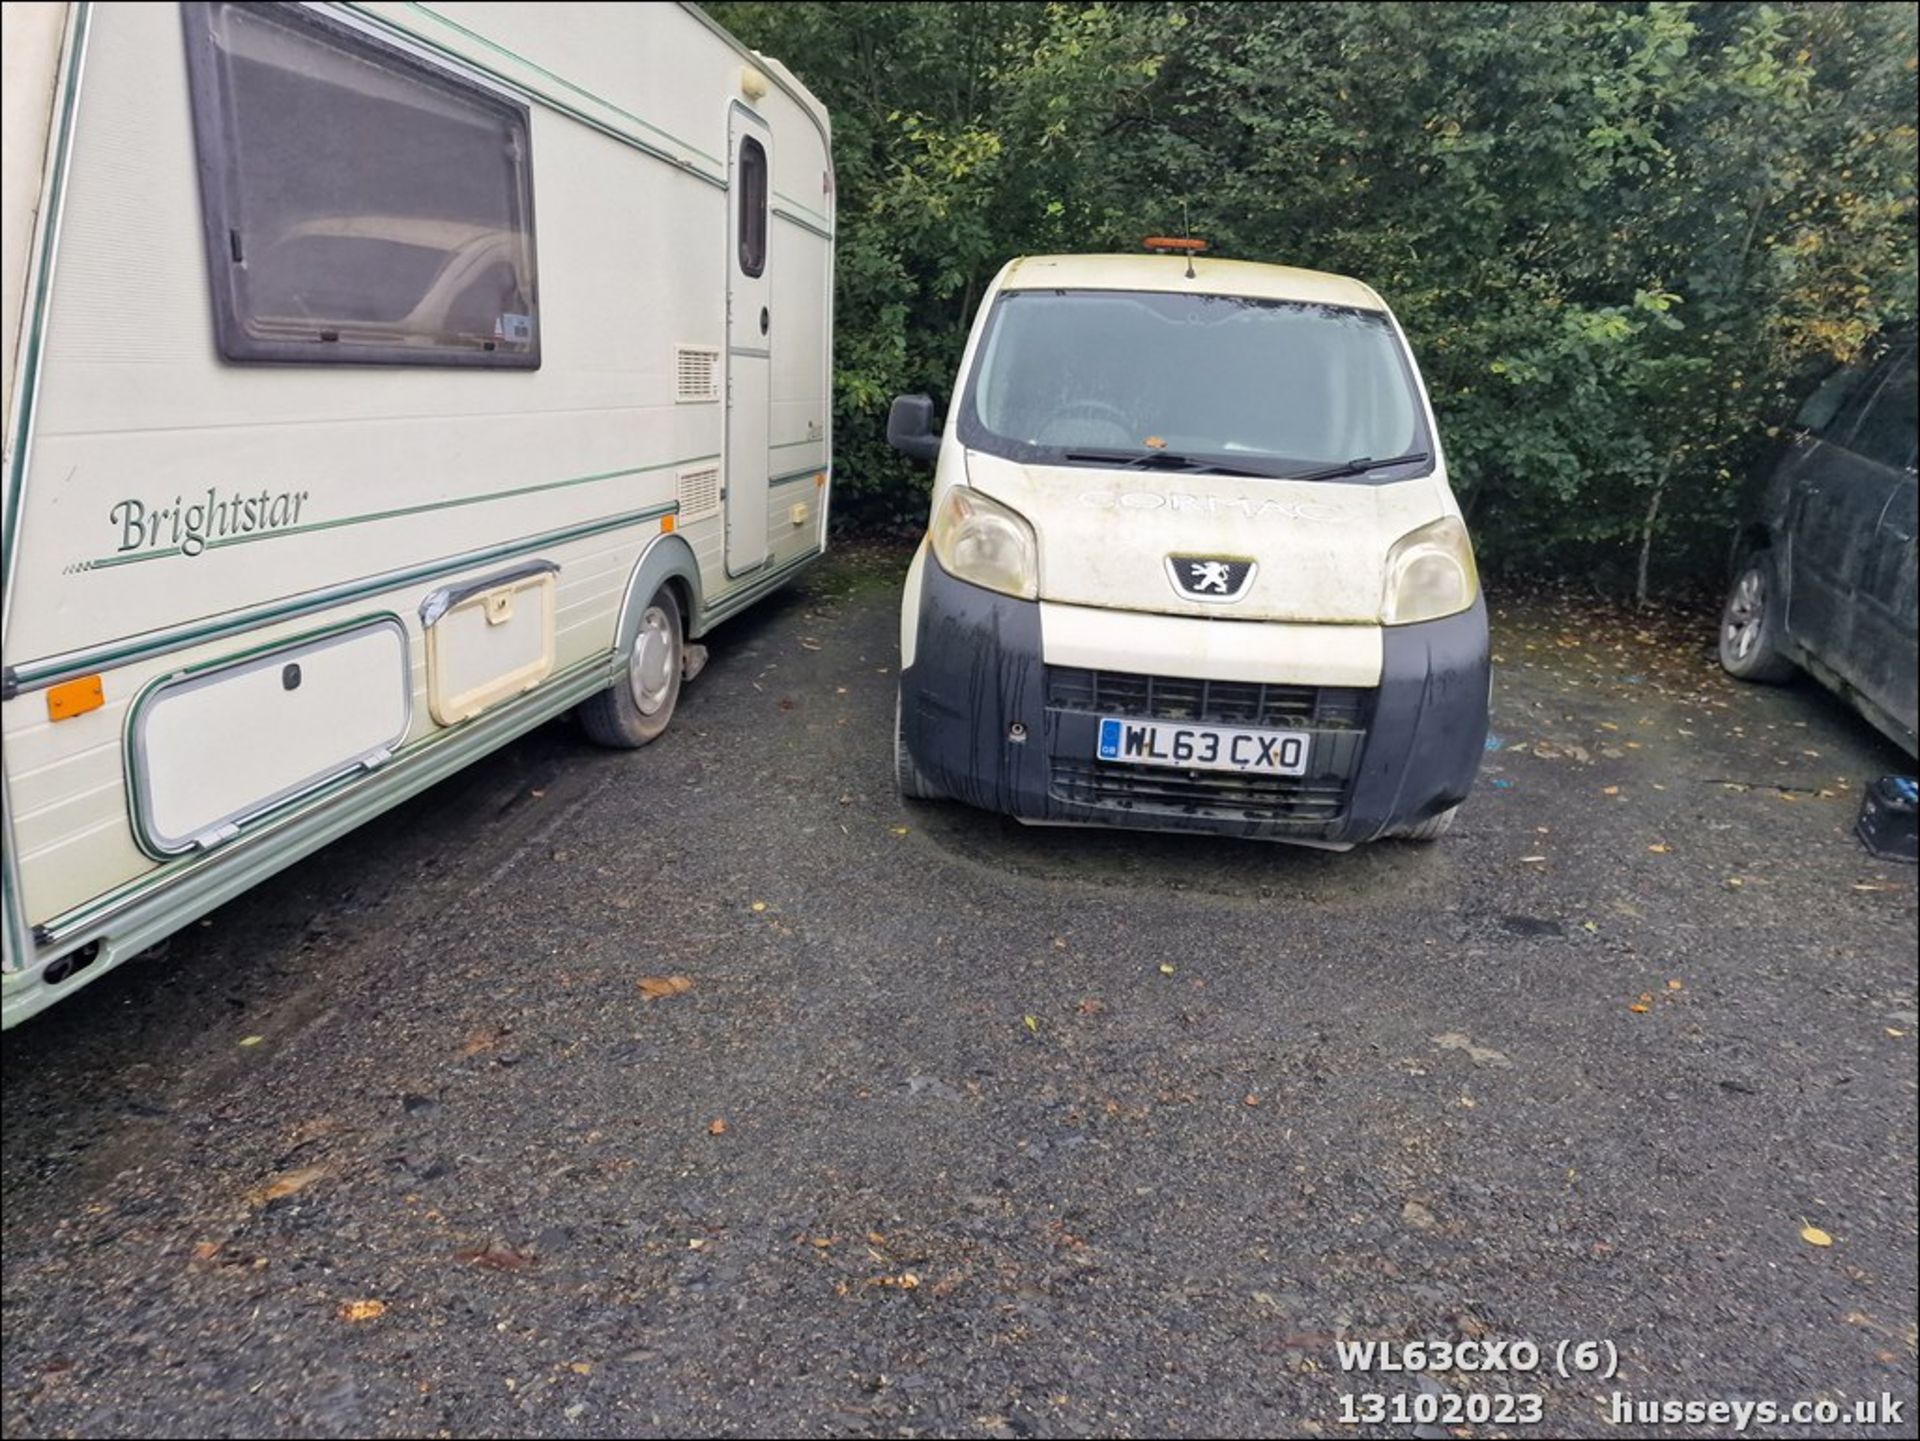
[212, 749]
[488, 640]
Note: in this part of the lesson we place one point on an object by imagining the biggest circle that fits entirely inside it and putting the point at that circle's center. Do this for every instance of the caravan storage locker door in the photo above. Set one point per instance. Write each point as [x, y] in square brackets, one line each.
[211, 749]
[751, 328]
[488, 640]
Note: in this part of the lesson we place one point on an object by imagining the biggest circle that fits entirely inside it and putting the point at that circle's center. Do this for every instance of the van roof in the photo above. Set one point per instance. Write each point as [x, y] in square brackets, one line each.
[1169, 272]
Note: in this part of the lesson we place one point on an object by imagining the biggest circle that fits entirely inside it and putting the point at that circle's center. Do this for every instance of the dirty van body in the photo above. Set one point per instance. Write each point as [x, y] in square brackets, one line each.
[1193, 563]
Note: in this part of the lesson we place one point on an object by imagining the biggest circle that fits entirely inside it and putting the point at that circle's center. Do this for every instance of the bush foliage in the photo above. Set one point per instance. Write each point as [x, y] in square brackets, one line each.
[1623, 238]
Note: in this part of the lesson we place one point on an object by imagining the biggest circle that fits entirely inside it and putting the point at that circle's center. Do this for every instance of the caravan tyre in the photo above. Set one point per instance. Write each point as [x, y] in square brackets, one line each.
[636, 709]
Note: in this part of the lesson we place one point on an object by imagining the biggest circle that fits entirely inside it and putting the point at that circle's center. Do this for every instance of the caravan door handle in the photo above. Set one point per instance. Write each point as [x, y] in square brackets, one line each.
[766, 319]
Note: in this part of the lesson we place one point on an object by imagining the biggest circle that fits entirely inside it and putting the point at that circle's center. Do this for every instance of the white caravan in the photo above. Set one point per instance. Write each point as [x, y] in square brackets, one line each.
[381, 380]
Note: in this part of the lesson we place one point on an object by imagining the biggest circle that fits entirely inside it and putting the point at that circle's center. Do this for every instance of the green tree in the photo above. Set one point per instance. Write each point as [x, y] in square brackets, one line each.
[1623, 238]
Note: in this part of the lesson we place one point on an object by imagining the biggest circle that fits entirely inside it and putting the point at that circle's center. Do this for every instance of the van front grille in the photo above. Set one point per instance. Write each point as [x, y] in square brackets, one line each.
[1334, 717]
[1229, 795]
[1220, 702]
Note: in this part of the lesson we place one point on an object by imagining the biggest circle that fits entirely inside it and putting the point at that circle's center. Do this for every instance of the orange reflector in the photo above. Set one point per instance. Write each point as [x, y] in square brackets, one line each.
[666, 525]
[1173, 242]
[820, 480]
[75, 697]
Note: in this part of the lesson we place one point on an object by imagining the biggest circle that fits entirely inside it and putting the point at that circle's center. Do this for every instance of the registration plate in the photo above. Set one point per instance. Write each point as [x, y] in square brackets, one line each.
[1203, 748]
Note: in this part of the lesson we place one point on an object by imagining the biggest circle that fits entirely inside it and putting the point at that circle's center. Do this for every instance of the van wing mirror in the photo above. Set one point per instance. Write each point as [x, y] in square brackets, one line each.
[910, 427]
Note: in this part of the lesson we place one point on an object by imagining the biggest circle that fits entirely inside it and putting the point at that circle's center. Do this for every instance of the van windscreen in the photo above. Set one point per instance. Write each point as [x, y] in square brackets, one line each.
[1261, 385]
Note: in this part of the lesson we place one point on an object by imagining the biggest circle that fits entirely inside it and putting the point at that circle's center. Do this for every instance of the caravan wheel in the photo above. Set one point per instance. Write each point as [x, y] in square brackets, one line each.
[633, 711]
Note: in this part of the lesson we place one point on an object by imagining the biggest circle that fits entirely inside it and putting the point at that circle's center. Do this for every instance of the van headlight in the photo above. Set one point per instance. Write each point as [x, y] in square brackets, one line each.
[982, 541]
[1430, 573]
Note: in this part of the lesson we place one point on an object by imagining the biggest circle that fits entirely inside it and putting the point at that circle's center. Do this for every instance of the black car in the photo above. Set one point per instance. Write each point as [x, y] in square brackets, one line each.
[1824, 572]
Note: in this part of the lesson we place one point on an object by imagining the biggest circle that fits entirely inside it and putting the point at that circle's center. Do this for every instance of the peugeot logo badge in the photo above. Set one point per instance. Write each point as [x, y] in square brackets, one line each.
[1218, 578]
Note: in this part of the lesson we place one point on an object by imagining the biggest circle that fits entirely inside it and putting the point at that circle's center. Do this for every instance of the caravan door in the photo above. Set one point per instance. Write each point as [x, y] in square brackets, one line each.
[749, 338]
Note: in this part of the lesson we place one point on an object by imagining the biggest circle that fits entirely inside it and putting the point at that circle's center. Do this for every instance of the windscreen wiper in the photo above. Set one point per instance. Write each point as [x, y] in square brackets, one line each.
[1360, 466]
[1161, 460]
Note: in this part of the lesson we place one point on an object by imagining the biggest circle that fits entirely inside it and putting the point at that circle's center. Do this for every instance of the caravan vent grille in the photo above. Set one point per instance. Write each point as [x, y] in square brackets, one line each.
[696, 373]
[699, 492]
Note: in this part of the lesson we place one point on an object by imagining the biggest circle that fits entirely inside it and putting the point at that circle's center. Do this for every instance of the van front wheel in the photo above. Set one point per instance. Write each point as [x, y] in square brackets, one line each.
[1430, 829]
[906, 775]
[636, 708]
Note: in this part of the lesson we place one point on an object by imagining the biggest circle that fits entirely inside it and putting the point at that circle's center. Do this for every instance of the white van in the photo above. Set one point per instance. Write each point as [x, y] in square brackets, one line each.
[381, 381]
[1193, 563]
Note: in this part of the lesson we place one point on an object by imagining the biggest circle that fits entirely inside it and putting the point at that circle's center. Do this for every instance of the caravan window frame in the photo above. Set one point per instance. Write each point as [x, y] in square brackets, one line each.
[217, 155]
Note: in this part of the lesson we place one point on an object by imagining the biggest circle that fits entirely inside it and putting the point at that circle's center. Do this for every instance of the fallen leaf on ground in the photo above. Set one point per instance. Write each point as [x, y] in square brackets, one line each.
[1676, 985]
[206, 1250]
[580, 1368]
[362, 1310]
[1092, 1007]
[1814, 1236]
[1533, 860]
[484, 1039]
[1659, 848]
[759, 905]
[251, 1040]
[905, 1281]
[1643, 1005]
[1031, 1023]
[1167, 968]
[718, 1126]
[875, 1238]
[311, 1130]
[658, 988]
[1251, 1099]
[291, 1183]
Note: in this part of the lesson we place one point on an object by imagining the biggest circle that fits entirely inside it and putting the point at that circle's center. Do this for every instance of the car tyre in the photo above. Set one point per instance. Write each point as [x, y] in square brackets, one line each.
[912, 782]
[1430, 829]
[637, 708]
[1750, 624]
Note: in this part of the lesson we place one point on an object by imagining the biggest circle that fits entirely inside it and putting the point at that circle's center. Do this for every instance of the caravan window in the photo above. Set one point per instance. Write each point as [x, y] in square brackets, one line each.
[361, 206]
[753, 207]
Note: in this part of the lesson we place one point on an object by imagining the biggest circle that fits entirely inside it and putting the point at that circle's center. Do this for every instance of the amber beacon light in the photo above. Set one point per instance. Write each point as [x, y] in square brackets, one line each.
[1173, 244]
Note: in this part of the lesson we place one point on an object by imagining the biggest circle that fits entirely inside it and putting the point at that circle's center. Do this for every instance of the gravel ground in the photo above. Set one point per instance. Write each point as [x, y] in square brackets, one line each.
[963, 1128]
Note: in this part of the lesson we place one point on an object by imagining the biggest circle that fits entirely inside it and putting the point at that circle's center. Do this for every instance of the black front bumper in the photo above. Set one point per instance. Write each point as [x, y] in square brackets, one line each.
[990, 723]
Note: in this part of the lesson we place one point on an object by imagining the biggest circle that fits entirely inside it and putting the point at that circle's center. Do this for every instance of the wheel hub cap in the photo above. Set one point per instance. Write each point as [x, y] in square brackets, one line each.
[650, 671]
[1745, 610]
